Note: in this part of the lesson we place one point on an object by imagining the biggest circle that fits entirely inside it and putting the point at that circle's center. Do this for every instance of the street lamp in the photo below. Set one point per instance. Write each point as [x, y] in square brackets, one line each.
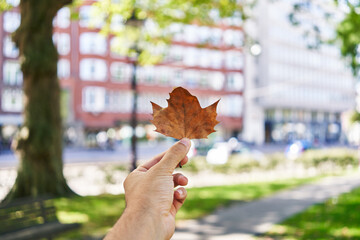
[137, 23]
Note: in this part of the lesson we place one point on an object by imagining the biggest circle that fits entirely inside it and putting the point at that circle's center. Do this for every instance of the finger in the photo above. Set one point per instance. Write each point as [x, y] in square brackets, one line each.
[147, 165]
[174, 155]
[180, 179]
[183, 162]
[179, 198]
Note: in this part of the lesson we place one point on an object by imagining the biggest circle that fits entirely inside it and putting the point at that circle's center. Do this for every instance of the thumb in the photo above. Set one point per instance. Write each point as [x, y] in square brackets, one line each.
[174, 155]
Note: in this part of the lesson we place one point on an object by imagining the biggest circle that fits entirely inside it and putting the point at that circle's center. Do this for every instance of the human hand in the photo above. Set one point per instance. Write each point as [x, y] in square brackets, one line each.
[151, 202]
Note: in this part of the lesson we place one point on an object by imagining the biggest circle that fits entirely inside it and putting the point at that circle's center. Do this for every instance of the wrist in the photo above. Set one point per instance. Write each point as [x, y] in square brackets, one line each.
[137, 224]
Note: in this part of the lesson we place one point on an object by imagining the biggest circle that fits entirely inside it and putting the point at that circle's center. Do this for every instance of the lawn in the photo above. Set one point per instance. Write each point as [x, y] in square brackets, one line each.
[337, 218]
[99, 213]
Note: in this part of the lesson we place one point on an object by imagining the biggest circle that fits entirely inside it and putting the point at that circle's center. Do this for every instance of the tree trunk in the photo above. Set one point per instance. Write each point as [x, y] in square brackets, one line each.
[39, 142]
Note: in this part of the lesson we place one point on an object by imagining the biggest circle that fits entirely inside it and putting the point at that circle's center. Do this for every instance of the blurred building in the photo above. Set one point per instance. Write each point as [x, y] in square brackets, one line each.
[293, 91]
[96, 81]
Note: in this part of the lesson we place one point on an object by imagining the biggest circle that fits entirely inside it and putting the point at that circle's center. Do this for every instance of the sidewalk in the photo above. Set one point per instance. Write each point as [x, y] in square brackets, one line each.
[242, 221]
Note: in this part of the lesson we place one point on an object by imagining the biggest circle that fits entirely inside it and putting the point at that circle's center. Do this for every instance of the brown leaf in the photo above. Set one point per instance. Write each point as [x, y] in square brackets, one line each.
[184, 117]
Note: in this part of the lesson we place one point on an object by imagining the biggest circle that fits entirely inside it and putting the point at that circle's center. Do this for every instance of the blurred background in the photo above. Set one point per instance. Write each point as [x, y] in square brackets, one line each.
[285, 89]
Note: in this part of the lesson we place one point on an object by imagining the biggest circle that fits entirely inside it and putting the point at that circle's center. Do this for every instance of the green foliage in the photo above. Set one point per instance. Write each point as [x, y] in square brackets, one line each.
[142, 26]
[338, 218]
[4, 6]
[355, 117]
[339, 157]
[348, 32]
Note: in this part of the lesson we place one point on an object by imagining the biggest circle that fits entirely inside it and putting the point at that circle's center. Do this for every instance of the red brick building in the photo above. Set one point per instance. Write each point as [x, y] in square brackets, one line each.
[96, 81]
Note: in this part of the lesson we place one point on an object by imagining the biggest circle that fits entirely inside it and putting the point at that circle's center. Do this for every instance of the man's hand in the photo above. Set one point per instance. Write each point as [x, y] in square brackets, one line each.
[151, 202]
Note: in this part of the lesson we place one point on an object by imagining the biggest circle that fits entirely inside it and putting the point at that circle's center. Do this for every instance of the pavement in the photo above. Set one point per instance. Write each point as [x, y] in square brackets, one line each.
[244, 220]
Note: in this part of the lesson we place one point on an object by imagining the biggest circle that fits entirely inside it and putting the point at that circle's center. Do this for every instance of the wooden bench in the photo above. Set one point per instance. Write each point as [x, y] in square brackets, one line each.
[33, 218]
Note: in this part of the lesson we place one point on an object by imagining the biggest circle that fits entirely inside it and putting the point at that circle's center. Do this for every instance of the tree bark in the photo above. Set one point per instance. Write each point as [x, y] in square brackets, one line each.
[39, 142]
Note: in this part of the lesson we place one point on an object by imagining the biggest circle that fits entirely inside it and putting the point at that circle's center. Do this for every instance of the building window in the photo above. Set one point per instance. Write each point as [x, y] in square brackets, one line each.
[177, 78]
[216, 59]
[11, 100]
[176, 54]
[191, 56]
[163, 75]
[92, 43]
[191, 33]
[233, 38]
[235, 82]
[234, 60]
[217, 80]
[93, 99]
[216, 35]
[88, 17]
[93, 69]
[191, 78]
[146, 75]
[10, 50]
[62, 19]
[120, 72]
[62, 41]
[205, 58]
[63, 68]
[11, 21]
[12, 73]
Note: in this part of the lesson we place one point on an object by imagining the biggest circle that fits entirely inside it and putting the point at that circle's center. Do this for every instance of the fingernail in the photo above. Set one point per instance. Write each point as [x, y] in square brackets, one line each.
[180, 191]
[186, 142]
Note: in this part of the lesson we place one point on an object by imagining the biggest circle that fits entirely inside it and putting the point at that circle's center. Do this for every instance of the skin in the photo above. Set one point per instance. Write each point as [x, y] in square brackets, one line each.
[151, 200]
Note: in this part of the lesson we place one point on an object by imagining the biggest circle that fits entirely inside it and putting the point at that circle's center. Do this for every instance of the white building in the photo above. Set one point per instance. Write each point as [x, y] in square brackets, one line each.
[294, 92]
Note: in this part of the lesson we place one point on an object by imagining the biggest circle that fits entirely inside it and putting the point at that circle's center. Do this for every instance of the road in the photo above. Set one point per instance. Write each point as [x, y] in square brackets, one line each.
[121, 154]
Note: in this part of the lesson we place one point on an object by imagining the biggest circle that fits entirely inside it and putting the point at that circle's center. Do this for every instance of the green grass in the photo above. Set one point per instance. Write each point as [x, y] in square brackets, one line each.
[337, 218]
[99, 213]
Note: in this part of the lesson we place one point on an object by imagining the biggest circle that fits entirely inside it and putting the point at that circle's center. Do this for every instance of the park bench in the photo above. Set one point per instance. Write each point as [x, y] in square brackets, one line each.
[31, 218]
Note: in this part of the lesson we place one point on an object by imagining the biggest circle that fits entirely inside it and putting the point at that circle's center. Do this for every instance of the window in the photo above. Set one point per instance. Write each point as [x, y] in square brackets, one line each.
[205, 58]
[235, 82]
[216, 59]
[89, 18]
[12, 100]
[92, 43]
[163, 75]
[217, 80]
[148, 75]
[62, 40]
[12, 73]
[191, 78]
[118, 101]
[190, 58]
[176, 54]
[234, 60]
[10, 50]
[121, 72]
[62, 19]
[191, 34]
[11, 21]
[216, 35]
[93, 99]
[63, 68]
[233, 38]
[93, 69]
[204, 34]
[177, 77]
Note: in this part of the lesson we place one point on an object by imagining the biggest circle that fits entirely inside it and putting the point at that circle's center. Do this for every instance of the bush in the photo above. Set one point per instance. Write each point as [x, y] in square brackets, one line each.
[337, 156]
[318, 158]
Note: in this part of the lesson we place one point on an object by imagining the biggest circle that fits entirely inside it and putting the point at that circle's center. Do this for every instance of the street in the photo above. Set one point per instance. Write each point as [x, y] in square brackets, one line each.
[121, 154]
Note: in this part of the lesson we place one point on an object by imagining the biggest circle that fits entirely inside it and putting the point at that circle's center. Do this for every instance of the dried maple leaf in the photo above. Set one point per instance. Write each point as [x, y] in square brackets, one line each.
[184, 116]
